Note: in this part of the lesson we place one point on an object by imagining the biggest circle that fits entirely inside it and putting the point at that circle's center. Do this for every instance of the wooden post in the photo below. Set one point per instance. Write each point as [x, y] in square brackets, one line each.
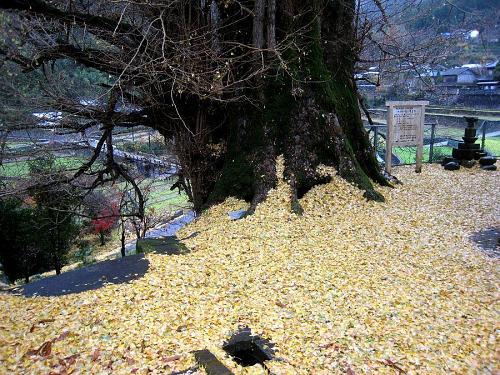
[388, 140]
[420, 141]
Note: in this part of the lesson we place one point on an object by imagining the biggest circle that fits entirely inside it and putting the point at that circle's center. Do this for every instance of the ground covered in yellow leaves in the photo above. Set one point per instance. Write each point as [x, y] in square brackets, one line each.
[348, 287]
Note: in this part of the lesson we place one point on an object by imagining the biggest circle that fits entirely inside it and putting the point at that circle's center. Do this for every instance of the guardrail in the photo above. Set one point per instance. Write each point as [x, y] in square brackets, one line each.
[438, 141]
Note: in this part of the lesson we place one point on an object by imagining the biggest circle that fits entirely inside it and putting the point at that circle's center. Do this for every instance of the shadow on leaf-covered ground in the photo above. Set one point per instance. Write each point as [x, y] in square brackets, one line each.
[116, 271]
[488, 240]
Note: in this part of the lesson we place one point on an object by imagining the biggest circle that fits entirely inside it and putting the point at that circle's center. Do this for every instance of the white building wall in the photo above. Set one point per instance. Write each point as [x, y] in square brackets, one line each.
[466, 78]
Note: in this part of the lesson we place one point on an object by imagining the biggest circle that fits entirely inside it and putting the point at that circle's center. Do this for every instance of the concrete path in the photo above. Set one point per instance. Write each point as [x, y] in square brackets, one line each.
[167, 230]
[171, 228]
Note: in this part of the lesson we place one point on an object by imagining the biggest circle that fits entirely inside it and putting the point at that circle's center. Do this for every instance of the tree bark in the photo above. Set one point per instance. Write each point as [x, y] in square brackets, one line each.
[122, 250]
[310, 113]
[271, 24]
[258, 23]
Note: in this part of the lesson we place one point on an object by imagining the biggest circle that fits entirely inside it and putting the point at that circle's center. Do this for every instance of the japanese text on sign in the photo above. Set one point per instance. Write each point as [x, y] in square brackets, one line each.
[406, 122]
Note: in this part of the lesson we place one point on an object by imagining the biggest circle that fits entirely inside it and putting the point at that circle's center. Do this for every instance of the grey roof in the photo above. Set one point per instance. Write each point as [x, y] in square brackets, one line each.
[456, 71]
[485, 83]
[492, 65]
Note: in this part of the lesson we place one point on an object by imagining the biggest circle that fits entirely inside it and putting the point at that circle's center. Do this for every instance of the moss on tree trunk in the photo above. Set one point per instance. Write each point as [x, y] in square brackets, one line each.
[309, 113]
[306, 109]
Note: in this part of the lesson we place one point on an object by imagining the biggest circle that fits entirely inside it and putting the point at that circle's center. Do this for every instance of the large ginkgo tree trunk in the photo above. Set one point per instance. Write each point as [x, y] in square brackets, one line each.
[307, 107]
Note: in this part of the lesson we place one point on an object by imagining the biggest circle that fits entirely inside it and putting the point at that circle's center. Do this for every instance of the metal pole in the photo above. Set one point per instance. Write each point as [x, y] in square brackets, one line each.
[485, 125]
[431, 146]
[375, 139]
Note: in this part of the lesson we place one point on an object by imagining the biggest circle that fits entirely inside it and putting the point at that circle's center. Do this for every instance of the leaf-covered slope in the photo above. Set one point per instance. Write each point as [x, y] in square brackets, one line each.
[349, 287]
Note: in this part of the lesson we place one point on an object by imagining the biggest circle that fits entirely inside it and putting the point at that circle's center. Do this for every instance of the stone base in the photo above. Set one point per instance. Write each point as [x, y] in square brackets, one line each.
[448, 159]
[467, 163]
[479, 154]
[469, 146]
[489, 167]
[487, 160]
[462, 154]
[452, 166]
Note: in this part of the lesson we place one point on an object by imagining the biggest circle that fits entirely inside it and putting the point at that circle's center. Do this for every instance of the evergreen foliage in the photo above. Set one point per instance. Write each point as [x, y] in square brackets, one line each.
[38, 231]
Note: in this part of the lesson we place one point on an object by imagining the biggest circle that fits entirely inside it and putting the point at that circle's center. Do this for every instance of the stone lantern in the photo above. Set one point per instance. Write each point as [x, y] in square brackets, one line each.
[468, 150]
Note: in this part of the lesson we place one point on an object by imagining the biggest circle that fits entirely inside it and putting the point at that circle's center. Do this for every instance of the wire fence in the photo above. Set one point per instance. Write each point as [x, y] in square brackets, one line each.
[439, 141]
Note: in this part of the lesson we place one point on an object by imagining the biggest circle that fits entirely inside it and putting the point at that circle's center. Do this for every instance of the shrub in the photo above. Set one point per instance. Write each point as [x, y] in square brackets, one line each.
[105, 221]
[84, 253]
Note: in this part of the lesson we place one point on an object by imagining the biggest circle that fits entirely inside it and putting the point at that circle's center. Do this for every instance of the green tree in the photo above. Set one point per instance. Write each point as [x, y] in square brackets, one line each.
[56, 208]
[20, 253]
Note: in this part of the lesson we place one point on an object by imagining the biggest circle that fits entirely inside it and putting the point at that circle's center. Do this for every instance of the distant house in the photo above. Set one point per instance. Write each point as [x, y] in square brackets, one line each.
[371, 77]
[462, 76]
[487, 81]
[424, 80]
[455, 81]
[476, 75]
[471, 85]
[368, 82]
[490, 68]
[489, 85]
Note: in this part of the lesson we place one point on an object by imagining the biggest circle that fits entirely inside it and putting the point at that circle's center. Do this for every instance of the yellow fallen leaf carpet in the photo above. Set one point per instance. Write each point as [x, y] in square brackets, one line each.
[350, 287]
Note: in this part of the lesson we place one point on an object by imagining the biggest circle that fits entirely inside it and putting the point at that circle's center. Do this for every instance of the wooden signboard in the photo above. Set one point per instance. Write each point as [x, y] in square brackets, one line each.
[405, 127]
